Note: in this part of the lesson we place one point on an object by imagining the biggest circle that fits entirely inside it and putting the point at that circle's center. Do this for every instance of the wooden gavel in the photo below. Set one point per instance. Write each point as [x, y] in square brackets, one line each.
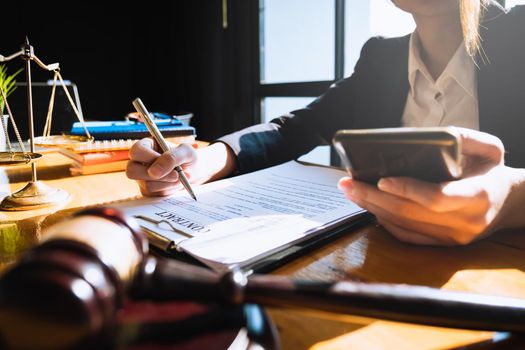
[65, 292]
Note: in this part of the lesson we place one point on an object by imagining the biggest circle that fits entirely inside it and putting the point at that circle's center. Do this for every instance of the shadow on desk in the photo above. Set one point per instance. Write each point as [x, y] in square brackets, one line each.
[57, 168]
[492, 266]
[368, 254]
[371, 254]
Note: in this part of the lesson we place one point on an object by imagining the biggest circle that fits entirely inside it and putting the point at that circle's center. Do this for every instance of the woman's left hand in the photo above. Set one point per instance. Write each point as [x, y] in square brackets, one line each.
[449, 213]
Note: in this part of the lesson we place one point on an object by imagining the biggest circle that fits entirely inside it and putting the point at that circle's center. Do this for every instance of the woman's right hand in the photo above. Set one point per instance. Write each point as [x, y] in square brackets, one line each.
[155, 174]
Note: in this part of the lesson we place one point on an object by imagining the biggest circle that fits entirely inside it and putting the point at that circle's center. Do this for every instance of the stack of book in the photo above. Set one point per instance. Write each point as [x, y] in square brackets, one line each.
[127, 129]
[105, 156]
[99, 157]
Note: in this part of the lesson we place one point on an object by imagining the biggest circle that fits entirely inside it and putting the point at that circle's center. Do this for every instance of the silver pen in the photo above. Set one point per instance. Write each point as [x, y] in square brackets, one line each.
[154, 131]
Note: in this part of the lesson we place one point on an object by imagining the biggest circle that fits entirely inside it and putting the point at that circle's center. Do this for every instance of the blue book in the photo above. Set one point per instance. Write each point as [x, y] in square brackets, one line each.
[109, 130]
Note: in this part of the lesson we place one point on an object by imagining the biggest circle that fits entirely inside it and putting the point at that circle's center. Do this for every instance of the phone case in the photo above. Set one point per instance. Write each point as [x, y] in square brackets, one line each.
[429, 154]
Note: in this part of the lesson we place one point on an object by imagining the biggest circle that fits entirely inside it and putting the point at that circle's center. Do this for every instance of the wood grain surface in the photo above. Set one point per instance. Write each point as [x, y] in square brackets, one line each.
[492, 266]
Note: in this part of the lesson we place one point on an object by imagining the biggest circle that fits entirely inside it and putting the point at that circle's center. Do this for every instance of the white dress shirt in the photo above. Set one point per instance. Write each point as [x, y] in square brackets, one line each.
[452, 99]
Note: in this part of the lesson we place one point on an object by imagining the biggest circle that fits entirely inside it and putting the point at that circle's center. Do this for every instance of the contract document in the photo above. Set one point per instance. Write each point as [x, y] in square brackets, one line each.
[239, 220]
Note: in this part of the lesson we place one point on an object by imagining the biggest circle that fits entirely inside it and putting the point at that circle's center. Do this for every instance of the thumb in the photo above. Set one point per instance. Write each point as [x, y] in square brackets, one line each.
[165, 164]
[479, 144]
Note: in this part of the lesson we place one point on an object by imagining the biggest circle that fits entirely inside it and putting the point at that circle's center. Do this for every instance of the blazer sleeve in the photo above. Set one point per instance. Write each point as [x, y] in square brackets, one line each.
[292, 135]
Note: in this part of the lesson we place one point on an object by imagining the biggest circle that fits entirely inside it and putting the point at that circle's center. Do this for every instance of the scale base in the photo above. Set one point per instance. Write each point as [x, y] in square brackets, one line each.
[34, 195]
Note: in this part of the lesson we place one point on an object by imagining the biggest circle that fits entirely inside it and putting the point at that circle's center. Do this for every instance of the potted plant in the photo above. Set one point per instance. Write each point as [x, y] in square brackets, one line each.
[7, 82]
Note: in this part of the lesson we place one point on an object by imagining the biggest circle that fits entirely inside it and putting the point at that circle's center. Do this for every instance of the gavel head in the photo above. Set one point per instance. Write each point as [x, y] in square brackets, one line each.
[65, 292]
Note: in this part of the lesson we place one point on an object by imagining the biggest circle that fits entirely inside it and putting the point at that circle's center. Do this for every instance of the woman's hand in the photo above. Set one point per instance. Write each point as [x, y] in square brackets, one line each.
[449, 213]
[155, 173]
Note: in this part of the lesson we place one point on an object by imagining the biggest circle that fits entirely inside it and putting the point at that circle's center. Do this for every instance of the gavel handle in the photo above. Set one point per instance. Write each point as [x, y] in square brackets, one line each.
[168, 280]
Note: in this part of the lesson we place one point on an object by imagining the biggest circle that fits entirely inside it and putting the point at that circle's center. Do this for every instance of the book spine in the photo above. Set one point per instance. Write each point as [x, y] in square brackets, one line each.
[78, 169]
[124, 144]
[103, 157]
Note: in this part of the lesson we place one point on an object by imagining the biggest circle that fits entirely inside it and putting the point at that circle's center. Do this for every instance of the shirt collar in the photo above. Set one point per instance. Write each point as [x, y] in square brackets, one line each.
[415, 64]
[461, 68]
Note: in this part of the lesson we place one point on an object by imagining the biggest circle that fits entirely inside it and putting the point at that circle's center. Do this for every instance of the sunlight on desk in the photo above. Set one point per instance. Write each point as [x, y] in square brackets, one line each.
[357, 334]
[394, 336]
[491, 266]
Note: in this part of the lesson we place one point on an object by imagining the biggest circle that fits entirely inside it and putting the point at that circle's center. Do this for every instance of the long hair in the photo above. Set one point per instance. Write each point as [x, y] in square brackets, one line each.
[471, 13]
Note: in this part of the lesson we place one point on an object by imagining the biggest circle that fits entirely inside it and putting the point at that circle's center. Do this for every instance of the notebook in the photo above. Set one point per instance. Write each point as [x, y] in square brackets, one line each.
[108, 167]
[91, 158]
[123, 144]
[107, 130]
[242, 220]
[105, 156]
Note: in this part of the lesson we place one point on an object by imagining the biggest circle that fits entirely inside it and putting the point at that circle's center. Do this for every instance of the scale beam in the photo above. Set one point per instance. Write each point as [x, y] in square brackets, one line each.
[9, 58]
[35, 194]
[49, 67]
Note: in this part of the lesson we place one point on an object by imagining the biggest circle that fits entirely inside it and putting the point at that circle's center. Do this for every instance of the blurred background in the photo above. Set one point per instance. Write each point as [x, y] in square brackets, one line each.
[233, 63]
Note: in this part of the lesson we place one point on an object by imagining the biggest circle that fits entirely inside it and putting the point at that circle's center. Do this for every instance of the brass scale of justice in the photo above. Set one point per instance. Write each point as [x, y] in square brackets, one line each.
[36, 194]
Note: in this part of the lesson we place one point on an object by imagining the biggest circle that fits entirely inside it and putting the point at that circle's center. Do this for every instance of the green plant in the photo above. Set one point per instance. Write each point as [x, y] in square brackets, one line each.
[7, 82]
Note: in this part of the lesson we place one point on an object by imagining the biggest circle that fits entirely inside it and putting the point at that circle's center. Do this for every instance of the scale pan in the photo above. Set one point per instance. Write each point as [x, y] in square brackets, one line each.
[12, 158]
[61, 141]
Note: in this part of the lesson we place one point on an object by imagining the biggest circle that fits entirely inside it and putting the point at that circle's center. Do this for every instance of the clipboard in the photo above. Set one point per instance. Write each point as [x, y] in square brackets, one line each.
[255, 221]
[165, 248]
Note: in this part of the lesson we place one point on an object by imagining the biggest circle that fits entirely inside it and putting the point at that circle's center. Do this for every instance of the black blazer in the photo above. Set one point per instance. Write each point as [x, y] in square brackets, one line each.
[375, 96]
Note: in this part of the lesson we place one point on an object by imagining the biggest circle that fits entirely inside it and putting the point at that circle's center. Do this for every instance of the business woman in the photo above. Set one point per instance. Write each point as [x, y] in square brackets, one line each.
[464, 65]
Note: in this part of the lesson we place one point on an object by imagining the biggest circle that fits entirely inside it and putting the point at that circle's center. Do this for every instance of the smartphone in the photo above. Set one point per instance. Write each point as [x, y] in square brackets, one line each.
[431, 154]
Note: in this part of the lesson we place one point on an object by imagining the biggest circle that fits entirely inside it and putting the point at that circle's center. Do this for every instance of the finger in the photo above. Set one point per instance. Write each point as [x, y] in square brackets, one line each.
[152, 187]
[139, 171]
[401, 208]
[143, 151]
[409, 236]
[163, 165]
[158, 194]
[480, 144]
[345, 184]
[443, 197]
[436, 231]
[458, 227]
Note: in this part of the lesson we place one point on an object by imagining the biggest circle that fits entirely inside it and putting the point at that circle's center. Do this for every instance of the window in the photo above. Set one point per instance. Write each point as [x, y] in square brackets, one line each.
[365, 19]
[511, 3]
[297, 57]
[306, 45]
[288, 41]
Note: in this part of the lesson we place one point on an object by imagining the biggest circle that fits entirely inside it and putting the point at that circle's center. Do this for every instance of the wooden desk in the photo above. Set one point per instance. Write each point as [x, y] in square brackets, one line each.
[493, 266]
